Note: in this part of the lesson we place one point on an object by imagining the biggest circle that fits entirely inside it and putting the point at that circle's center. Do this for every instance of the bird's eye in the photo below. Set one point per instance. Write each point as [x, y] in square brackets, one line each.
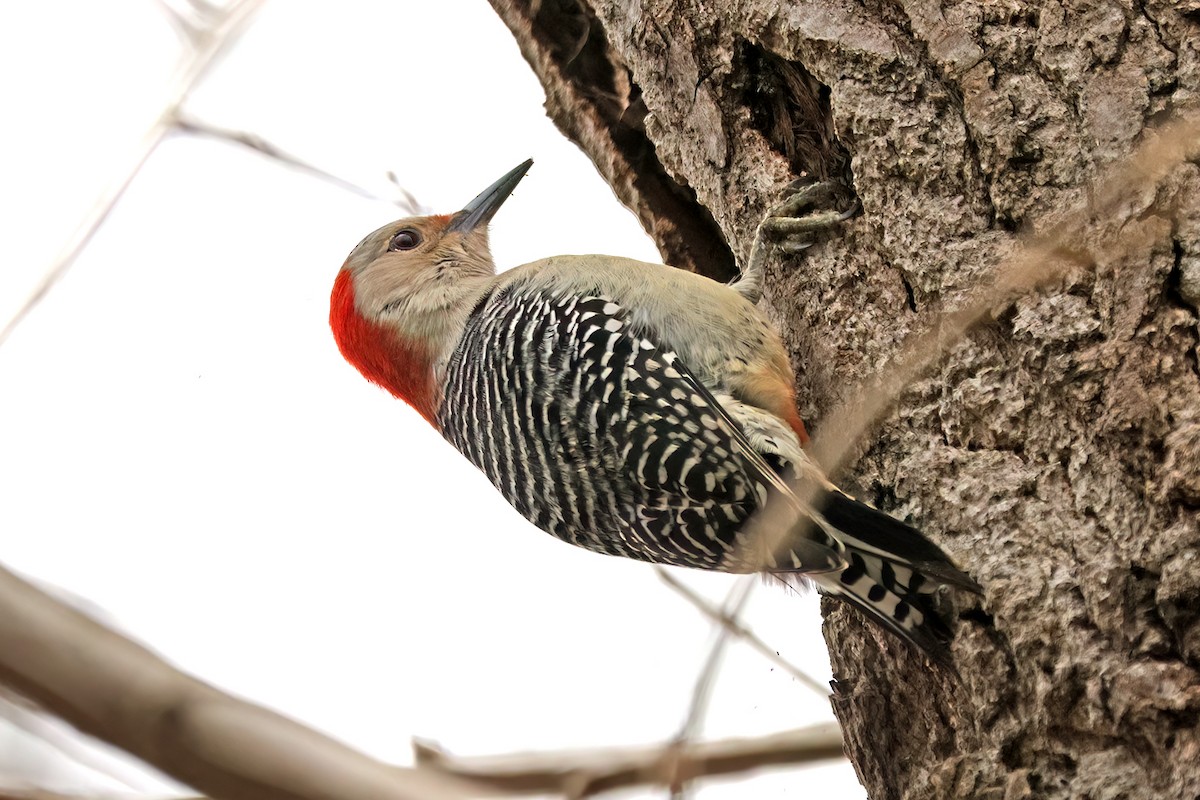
[405, 240]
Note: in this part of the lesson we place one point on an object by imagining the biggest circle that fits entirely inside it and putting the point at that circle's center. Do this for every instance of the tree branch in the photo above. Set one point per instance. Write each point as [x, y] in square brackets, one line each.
[118, 691]
[586, 773]
[112, 688]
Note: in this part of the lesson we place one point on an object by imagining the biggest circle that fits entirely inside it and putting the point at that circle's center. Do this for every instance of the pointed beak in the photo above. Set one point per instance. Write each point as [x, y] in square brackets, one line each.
[480, 210]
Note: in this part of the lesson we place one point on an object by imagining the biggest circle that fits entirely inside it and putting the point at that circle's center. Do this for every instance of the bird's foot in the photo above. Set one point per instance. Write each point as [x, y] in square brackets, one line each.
[809, 207]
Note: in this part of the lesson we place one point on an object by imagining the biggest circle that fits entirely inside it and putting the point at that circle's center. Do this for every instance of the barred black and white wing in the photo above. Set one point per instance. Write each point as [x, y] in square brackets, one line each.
[599, 435]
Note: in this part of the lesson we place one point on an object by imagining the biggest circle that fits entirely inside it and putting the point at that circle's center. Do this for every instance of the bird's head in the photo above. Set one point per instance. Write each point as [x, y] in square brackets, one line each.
[405, 291]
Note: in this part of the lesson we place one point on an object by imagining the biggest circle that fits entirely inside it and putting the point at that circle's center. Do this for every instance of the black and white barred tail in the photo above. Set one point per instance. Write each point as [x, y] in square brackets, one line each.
[893, 573]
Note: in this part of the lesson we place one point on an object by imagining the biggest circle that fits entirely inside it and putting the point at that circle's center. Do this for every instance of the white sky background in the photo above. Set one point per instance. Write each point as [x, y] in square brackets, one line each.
[182, 445]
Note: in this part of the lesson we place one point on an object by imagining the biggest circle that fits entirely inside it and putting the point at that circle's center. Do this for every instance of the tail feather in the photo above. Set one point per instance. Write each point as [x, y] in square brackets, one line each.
[892, 573]
[912, 619]
[870, 531]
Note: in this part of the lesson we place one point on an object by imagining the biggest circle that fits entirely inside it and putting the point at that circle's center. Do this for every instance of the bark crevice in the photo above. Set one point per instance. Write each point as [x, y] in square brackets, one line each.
[791, 109]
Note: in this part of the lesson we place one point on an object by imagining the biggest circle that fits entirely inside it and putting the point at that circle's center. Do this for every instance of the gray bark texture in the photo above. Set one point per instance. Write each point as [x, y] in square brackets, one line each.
[1056, 451]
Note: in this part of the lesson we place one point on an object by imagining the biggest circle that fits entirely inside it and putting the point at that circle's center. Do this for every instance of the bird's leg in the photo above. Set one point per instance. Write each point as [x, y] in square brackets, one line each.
[792, 225]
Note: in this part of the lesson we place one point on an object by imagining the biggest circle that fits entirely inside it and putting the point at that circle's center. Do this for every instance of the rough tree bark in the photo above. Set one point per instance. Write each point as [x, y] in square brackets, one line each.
[1056, 453]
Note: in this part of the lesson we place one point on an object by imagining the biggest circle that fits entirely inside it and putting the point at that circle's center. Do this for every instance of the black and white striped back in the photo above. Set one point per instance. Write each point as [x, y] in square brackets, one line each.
[602, 437]
[591, 432]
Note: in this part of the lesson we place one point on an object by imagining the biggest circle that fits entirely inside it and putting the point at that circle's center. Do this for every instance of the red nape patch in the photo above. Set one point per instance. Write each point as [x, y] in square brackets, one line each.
[379, 353]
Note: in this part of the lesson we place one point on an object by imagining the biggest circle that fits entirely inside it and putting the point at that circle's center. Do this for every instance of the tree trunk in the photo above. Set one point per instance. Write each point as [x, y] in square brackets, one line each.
[1055, 453]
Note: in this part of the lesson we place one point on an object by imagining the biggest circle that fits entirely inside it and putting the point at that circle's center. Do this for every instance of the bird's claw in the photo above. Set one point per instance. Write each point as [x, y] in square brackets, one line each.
[793, 225]
[808, 208]
[792, 248]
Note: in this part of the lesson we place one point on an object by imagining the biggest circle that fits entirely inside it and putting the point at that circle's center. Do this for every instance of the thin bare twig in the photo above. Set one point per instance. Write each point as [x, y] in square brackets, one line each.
[741, 631]
[589, 772]
[734, 603]
[415, 205]
[116, 690]
[1040, 261]
[738, 596]
[208, 45]
[189, 18]
[403, 198]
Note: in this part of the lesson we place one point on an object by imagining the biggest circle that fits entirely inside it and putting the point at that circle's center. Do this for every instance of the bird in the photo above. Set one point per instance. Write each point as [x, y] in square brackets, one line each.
[630, 408]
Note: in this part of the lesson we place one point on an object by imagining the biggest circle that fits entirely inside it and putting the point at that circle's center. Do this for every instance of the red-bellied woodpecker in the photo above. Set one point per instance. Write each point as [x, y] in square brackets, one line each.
[633, 409]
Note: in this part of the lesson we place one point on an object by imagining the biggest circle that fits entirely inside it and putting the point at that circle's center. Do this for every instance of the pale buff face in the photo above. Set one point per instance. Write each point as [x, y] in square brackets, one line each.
[413, 274]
